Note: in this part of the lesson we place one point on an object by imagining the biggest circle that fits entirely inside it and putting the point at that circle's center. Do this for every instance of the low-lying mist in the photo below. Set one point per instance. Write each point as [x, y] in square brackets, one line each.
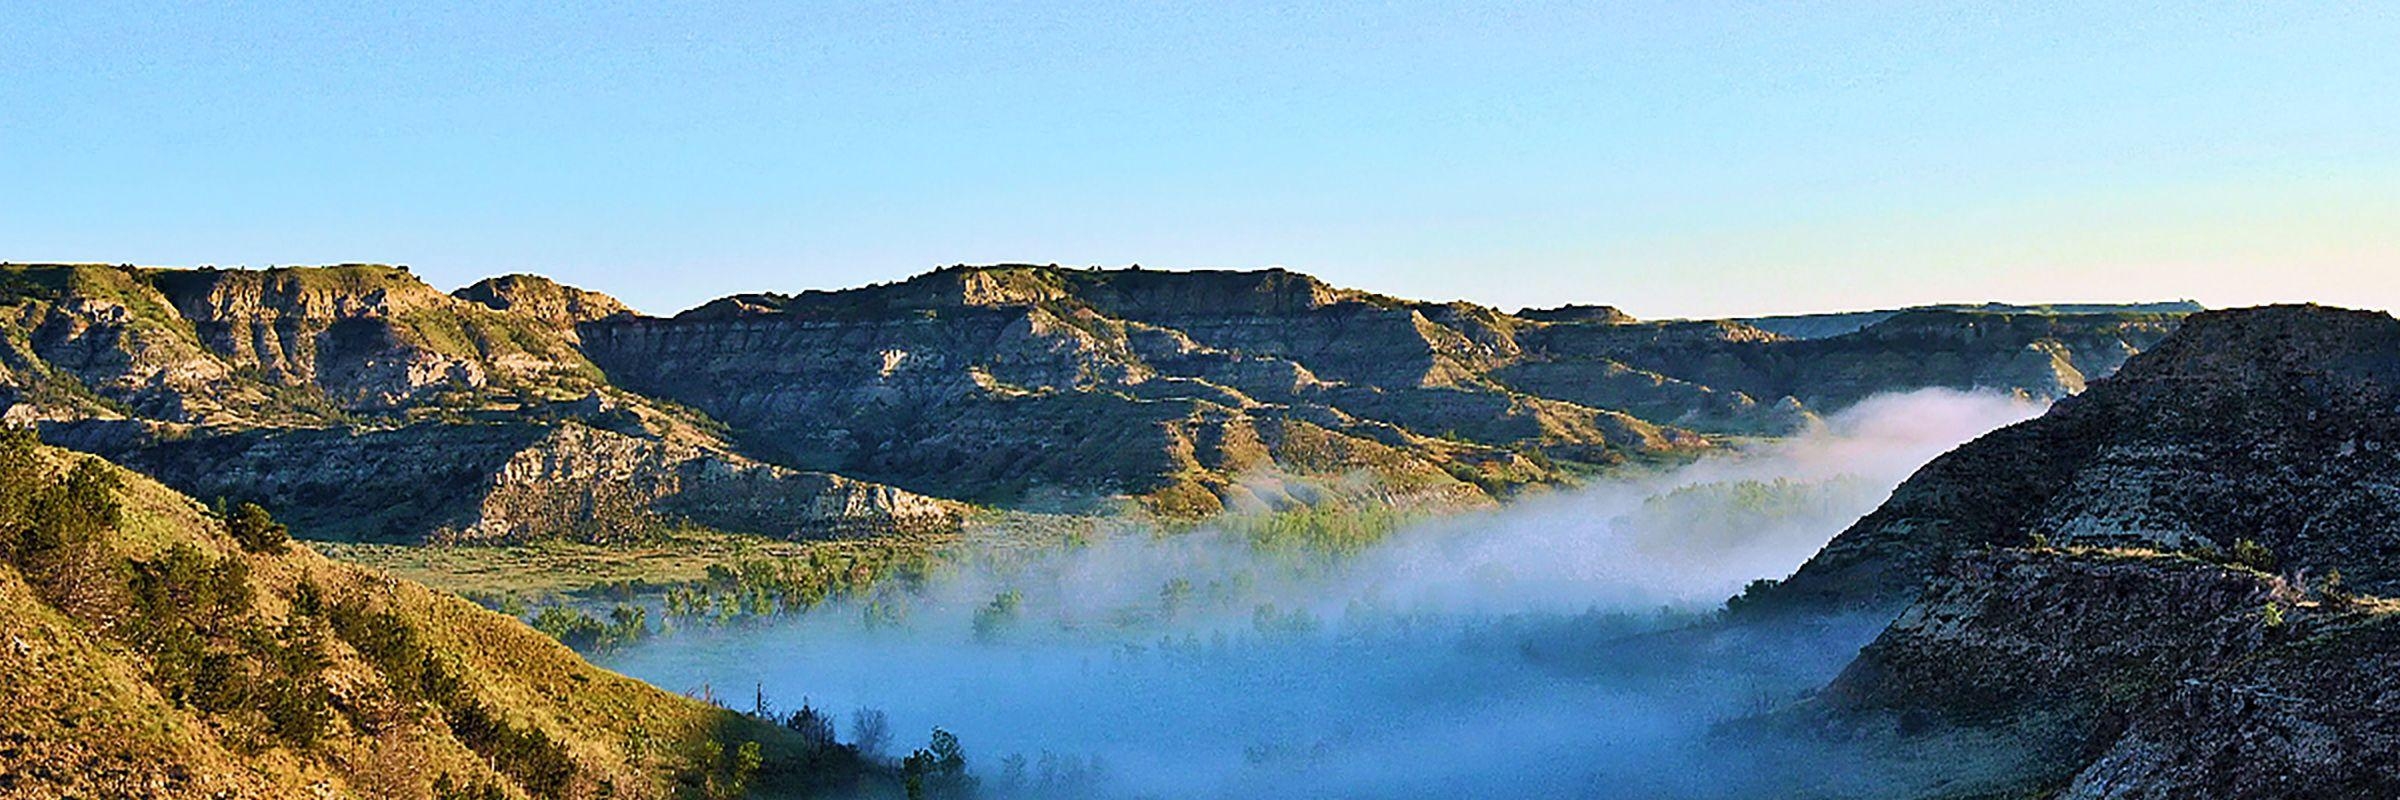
[1476, 655]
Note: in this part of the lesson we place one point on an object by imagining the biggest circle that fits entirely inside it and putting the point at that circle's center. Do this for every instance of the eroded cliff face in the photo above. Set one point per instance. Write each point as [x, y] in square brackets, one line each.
[101, 341]
[596, 484]
[1010, 386]
[516, 481]
[559, 306]
[2165, 587]
[1187, 393]
[2278, 425]
[2313, 719]
[360, 402]
[2095, 673]
[369, 337]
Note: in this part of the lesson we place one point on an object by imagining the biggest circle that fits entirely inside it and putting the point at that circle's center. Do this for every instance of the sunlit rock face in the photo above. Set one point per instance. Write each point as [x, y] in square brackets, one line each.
[2168, 586]
[2278, 425]
[361, 403]
[1182, 394]
[983, 381]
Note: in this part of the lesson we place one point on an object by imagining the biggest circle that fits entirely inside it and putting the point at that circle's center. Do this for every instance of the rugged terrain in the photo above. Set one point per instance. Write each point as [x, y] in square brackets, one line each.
[2165, 587]
[2115, 673]
[2274, 425]
[363, 403]
[154, 648]
[1200, 390]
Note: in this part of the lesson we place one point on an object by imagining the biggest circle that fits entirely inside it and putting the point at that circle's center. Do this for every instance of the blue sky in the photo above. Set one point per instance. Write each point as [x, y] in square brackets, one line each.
[1677, 159]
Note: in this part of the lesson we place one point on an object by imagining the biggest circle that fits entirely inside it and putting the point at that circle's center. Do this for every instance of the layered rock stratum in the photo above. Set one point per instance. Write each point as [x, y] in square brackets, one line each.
[2276, 425]
[2169, 586]
[365, 403]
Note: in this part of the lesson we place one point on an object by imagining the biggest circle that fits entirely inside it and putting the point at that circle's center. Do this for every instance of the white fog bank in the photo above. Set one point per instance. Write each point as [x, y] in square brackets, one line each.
[1194, 665]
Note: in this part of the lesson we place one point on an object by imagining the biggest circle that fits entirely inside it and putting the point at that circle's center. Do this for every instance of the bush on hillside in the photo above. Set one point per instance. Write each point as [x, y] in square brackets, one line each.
[255, 530]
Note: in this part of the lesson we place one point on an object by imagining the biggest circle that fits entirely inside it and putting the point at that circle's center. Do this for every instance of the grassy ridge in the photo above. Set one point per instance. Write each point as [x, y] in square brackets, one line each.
[150, 654]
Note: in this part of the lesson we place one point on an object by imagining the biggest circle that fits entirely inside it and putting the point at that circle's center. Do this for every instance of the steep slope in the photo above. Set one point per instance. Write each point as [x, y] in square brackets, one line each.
[2162, 588]
[2278, 425]
[1179, 389]
[153, 649]
[362, 403]
[1045, 388]
[2104, 673]
[538, 474]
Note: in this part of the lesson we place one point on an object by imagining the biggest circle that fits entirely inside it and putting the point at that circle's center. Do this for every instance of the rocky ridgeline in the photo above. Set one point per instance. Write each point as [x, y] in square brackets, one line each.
[2166, 587]
[1175, 388]
[1186, 393]
[2278, 425]
[361, 403]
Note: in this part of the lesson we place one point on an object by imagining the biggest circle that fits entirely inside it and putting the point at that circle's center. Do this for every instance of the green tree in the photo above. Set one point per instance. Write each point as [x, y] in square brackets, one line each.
[2251, 554]
[948, 776]
[998, 615]
[255, 530]
[2330, 587]
[914, 772]
[814, 727]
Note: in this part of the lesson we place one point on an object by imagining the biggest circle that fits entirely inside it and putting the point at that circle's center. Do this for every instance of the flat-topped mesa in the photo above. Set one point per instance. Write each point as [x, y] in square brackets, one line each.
[1132, 293]
[1575, 313]
[1573, 339]
[314, 294]
[1820, 326]
[2277, 425]
[372, 338]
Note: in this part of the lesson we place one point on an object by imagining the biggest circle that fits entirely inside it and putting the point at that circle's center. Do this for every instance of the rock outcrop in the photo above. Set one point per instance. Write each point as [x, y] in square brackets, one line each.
[514, 481]
[2277, 425]
[362, 403]
[1187, 393]
[2097, 673]
[559, 306]
[2167, 586]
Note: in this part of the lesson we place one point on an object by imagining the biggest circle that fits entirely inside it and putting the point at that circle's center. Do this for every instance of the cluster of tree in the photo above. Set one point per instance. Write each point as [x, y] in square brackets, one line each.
[415, 675]
[1051, 777]
[186, 611]
[51, 528]
[627, 623]
[1317, 534]
[749, 590]
[937, 771]
[997, 616]
[766, 587]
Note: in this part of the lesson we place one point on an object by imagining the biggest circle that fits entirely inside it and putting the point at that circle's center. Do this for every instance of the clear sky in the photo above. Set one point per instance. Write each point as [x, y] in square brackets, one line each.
[1673, 158]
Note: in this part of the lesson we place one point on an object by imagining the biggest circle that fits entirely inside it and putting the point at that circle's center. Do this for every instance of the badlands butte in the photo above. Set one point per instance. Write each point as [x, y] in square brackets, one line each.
[357, 402]
[2172, 584]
